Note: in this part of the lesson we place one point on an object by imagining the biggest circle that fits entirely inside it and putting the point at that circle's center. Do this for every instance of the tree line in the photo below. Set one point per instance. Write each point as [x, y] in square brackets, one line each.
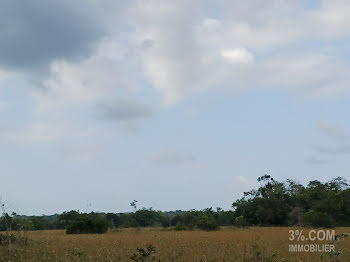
[272, 204]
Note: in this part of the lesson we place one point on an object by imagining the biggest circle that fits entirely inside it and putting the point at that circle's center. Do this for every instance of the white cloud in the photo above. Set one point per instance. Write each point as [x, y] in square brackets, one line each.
[86, 81]
[237, 55]
[275, 24]
[182, 55]
[71, 92]
[171, 60]
[182, 51]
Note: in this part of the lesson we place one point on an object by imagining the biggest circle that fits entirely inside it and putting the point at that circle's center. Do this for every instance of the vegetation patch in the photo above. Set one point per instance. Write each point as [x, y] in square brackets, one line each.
[88, 224]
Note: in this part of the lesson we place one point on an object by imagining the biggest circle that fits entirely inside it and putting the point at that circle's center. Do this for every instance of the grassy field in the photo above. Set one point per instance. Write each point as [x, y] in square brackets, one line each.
[228, 244]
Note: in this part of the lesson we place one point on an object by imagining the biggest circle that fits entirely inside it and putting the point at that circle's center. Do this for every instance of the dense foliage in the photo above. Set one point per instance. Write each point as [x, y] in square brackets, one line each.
[88, 224]
[274, 203]
[290, 203]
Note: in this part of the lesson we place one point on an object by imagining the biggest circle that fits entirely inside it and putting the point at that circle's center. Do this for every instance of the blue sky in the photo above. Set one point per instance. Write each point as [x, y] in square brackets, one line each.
[179, 105]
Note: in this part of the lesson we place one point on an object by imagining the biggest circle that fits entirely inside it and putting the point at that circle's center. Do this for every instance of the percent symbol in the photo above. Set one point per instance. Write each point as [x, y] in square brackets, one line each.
[300, 235]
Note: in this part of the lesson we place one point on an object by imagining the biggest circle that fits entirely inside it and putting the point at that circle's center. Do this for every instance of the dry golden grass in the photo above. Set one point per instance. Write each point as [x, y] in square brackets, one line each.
[228, 244]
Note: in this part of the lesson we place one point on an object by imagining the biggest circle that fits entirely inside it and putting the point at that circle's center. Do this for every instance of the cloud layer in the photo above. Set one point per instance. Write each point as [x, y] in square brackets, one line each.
[139, 49]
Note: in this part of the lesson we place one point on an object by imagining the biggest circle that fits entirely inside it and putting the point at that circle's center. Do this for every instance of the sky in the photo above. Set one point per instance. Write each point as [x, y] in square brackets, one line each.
[177, 104]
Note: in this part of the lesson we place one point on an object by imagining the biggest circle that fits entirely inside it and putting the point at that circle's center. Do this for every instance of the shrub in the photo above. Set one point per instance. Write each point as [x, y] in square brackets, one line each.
[88, 224]
[318, 219]
[180, 226]
[207, 223]
[164, 220]
[176, 219]
[240, 221]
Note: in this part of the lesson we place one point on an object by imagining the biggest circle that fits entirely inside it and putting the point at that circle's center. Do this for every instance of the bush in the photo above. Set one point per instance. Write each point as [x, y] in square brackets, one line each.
[318, 219]
[180, 226]
[240, 221]
[207, 223]
[88, 224]
[164, 221]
